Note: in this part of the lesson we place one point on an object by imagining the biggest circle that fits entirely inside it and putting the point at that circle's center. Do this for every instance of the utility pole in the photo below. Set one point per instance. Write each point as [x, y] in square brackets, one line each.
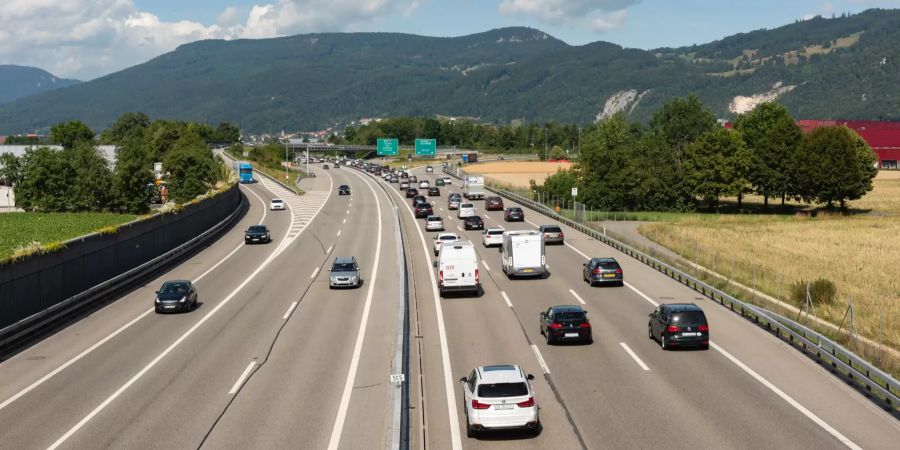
[286, 158]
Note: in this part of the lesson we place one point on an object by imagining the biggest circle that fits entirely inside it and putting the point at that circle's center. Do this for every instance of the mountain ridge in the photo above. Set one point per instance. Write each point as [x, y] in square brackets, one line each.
[22, 81]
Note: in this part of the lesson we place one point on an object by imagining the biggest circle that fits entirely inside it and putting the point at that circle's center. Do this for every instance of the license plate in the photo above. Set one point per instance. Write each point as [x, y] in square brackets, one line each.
[503, 406]
[169, 306]
[609, 275]
[528, 270]
[571, 334]
[690, 334]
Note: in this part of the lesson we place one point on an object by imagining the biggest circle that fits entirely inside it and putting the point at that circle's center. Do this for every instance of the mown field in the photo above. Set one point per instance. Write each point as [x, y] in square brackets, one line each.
[21, 231]
[859, 252]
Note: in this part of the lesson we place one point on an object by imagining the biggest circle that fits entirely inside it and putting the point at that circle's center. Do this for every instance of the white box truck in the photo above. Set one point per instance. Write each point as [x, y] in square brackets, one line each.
[473, 187]
[522, 253]
[457, 267]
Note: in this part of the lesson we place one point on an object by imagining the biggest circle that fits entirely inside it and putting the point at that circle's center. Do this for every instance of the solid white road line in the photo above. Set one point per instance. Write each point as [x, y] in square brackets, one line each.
[128, 325]
[634, 356]
[485, 264]
[315, 272]
[281, 247]
[540, 358]
[360, 337]
[242, 378]
[577, 297]
[289, 311]
[455, 441]
[809, 414]
[506, 299]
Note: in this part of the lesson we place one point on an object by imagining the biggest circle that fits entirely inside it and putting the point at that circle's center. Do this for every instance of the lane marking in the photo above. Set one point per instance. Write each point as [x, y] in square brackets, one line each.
[485, 264]
[345, 221]
[634, 356]
[289, 311]
[506, 299]
[577, 297]
[281, 247]
[348, 211]
[315, 272]
[339, 232]
[459, 228]
[449, 384]
[360, 337]
[128, 325]
[537, 354]
[242, 378]
[330, 248]
[809, 414]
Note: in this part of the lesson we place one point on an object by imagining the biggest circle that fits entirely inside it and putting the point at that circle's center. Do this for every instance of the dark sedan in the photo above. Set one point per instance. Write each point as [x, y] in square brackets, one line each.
[493, 204]
[176, 295]
[257, 233]
[602, 271]
[434, 192]
[419, 199]
[514, 214]
[679, 325]
[411, 192]
[565, 323]
[423, 210]
[473, 223]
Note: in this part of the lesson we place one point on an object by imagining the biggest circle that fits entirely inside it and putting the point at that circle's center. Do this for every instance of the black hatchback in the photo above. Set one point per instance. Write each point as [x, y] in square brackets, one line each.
[410, 193]
[514, 214]
[473, 223]
[679, 325]
[423, 210]
[176, 295]
[565, 323]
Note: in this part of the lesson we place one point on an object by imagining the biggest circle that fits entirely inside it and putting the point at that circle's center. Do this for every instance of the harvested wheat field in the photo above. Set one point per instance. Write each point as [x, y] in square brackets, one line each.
[517, 173]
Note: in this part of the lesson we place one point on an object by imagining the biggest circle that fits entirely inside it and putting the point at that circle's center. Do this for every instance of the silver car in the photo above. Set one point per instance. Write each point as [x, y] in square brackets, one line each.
[344, 273]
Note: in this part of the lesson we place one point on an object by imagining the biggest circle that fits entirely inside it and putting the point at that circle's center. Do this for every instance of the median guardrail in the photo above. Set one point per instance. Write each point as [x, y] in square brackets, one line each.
[15, 334]
[870, 379]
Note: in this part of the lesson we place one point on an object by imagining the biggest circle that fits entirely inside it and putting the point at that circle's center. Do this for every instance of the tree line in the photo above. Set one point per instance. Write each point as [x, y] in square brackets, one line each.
[79, 178]
[684, 160]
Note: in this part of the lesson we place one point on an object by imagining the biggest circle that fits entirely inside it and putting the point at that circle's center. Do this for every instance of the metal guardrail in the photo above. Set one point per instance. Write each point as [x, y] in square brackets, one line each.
[16, 332]
[872, 380]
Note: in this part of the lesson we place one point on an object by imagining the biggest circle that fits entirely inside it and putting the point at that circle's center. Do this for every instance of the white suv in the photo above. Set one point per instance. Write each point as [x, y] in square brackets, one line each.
[499, 397]
[492, 236]
[465, 210]
[276, 204]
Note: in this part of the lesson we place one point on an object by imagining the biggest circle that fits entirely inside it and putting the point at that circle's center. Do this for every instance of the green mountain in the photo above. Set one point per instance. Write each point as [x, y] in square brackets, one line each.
[844, 67]
[18, 81]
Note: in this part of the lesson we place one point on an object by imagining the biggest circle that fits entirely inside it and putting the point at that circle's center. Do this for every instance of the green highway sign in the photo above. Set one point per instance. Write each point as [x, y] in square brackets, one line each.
[426, 147]
[387, 147]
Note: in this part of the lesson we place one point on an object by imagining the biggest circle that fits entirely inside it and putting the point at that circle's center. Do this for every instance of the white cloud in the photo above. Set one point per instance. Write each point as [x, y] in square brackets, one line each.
[87, 38]
[609, 21]
[562, 11]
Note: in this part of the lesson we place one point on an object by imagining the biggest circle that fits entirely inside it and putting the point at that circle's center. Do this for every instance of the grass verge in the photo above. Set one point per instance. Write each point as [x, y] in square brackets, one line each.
[25, 232]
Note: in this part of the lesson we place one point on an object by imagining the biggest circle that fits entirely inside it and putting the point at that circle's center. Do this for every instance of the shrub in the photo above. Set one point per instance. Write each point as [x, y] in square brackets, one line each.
[821, 291]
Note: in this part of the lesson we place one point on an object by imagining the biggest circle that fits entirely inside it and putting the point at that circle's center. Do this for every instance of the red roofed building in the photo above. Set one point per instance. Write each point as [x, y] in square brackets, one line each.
[883, 137]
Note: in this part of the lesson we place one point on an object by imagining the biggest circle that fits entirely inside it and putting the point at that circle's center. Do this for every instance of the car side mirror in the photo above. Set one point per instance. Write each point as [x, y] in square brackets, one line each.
[463, 380]
[529, 377]
[157, 292]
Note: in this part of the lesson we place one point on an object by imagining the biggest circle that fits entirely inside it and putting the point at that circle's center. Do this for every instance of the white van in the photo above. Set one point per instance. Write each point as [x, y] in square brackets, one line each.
[522, 253]
[457, 267]
[465, 210]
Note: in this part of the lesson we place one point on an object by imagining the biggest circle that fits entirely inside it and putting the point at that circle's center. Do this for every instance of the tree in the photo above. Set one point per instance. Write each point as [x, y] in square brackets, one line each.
[68, 134]
[834, 165]
[560, 184]
[192, 167]
[132, 173]
[606, 168]
[677, 124]
[773, 137]
[91, 183]
[44, 180]
[125, 125]
[717, 164]
[10, 168]
[227, 132]
[557, 153]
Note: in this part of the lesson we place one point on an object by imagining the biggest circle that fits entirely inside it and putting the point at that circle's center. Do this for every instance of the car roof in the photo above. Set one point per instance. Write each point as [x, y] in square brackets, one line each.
[566, 308]
[176, 282]
[681, 307]
[501, 373]
[344, 259]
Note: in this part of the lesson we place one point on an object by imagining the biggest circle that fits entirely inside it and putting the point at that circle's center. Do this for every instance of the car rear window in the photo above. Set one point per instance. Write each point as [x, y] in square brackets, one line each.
[609, 265]
[495, 232]
[502, 390]
[467, 205]
[434, 219]
[688, 318]
[448, 238]
[552, 229]
[569, 316]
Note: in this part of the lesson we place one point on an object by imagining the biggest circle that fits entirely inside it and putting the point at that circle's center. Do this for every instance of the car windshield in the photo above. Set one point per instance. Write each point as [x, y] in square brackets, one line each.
[497, 390]
[277, 201]
[174, 288]
[424, 205]
[343, 267]
[257, 229]
[568, 316]
[688, 318]
[515, 210]
[474, 219]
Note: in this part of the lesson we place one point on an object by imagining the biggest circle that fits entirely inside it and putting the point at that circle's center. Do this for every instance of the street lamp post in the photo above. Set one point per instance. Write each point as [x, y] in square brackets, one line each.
[286, 158]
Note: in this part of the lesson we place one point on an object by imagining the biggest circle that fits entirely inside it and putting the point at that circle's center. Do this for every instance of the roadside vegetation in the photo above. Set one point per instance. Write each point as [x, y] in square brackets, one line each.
[268, 159]
[26, 232]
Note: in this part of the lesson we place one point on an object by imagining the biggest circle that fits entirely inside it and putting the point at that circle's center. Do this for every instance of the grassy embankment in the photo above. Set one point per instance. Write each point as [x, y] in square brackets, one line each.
[25, 232]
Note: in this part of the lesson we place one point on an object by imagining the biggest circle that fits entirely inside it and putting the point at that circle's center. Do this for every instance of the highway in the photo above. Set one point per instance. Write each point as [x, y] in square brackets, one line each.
[273, 358]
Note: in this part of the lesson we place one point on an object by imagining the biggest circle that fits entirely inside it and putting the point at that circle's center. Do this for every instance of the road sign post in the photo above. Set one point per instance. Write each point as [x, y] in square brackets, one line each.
[387, 147]
[426, 147]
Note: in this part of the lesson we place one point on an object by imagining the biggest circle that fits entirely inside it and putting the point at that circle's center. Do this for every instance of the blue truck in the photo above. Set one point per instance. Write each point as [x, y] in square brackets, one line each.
[244, 171]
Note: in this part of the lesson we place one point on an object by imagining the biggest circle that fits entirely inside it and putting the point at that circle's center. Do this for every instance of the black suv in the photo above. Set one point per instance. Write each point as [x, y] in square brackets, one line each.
[423, 210]
[473, 223]
[434, 192]
[257, 233]
[679, 325]
[411, 192]
[565, 323]
[514, 214]
[343, 189]
[418, 199]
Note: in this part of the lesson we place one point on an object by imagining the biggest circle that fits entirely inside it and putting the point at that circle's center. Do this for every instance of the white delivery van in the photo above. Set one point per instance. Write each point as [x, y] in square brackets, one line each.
[473, 187]
[522, 253]
[457, 267]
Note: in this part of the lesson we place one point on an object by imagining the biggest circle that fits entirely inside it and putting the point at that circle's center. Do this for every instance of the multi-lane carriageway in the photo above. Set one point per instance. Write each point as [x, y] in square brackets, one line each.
[274, 359]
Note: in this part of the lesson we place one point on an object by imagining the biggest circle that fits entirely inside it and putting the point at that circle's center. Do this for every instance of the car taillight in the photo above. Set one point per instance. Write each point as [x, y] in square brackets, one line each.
[527, 403]
[555, 326]
[476, 275]
[672, 329]
[596, 272]
[704, 328]
[478, 405]
[619, 271]
[442, 276]
[561, 235]
[585, 325]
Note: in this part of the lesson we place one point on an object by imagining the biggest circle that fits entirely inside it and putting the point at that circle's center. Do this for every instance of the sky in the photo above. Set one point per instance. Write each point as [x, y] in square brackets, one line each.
[86, 39]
